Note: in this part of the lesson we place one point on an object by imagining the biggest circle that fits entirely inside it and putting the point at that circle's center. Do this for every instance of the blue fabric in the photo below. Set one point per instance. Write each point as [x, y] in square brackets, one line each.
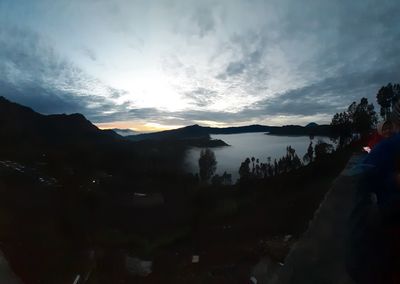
[368, 255]
[381, 177]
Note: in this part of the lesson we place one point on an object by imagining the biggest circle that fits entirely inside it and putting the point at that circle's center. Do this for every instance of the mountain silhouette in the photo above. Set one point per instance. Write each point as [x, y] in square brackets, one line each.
[28, 135]
[197, 131]
[19, 123]
[124, 132]
[74, 141]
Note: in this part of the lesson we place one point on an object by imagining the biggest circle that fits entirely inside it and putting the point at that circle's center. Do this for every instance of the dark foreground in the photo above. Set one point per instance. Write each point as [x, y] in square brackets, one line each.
[50, 234]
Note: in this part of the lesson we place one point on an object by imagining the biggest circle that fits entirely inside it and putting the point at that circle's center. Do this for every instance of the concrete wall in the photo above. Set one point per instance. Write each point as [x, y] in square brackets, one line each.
[7, 276]
[319, 256]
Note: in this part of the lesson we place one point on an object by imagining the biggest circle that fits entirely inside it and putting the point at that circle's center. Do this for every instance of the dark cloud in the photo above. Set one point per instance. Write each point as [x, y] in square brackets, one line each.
[235, 68]
[50, 101]
[251, 70]
[341, 51]
[111, 113]
[325, 97]
[202, 97]
[95, 108]
[40, 99]
[34, 75]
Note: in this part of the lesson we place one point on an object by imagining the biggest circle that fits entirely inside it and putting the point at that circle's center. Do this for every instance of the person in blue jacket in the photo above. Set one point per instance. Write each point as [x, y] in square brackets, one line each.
[383, 179]
[384, 174]
[373, 239]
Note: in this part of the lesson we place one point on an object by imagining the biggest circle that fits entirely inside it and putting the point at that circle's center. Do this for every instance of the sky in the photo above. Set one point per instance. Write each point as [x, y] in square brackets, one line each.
[152, 65]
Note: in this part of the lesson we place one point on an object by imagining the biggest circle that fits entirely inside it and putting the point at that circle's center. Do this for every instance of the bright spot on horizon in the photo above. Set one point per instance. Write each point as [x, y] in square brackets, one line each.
[153, 90]
[137, 127]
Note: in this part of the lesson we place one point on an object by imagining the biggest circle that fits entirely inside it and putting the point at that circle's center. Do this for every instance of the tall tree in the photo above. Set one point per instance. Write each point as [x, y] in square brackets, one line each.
[359, 118]
[322, 149]
[225, 179]
[364, 117]
[342, 128]
[387, 97]
[309, 155]
[244, 170]
[290, 161]
[207, 164]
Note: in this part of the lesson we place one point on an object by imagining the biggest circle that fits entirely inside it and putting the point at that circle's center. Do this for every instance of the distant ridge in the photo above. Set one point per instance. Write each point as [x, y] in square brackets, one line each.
[124, 132]
[25, 132]
[20, 124]
[297, 130]
[312, 124]
[197, 131]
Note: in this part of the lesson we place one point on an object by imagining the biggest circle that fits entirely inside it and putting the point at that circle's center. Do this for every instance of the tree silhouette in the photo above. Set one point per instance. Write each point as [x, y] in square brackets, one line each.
[207, 164]
[289, 162]
[276, 168]
[341, 128]
[387, 97]
[309, 155]
[225, 179]
[359, 118]
[364, 117]
[322, 149]
[244, 170]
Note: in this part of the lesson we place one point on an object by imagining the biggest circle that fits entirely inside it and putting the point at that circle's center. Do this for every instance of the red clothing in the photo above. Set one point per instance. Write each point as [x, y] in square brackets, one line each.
[374, 140]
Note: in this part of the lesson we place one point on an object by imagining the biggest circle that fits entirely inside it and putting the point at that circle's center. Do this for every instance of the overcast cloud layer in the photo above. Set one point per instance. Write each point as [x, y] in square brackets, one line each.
[176, 62]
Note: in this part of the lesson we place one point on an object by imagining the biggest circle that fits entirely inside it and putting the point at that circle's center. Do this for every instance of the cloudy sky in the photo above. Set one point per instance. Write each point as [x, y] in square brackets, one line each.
[162, 64]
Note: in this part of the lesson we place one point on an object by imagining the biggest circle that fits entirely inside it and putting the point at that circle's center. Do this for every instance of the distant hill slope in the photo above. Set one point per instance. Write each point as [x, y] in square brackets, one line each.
[312, 124]
[193, 135]
[197, 131]
[30, 136]
[72, 139]
[124, 132]
[20, 124]
[188, 132]
[297, 130]
[22, 127]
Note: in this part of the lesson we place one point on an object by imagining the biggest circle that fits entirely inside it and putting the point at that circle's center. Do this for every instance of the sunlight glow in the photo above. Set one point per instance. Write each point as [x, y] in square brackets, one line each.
[150, 89]
[140, 127]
